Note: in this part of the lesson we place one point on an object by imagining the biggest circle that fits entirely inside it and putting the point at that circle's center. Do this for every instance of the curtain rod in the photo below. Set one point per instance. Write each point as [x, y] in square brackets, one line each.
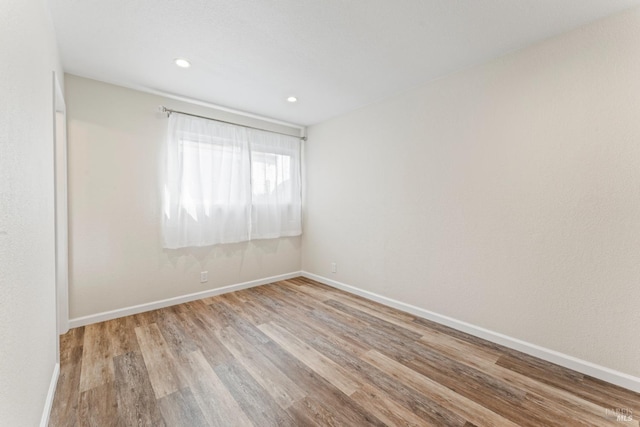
[170, 111]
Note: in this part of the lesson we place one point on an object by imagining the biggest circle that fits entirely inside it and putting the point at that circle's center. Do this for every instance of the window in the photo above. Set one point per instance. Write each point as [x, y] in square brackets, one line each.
[226, 184]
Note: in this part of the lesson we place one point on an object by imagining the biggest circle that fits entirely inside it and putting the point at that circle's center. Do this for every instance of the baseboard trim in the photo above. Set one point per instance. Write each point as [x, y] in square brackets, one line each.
[603, 373]
[48, 403]
[140, 308]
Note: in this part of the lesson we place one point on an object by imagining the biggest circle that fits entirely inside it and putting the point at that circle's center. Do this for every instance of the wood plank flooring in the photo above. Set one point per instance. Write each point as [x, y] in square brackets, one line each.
[299, 353]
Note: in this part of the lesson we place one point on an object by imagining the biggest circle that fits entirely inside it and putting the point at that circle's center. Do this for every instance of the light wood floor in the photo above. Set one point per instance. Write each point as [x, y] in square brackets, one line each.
[298, 353]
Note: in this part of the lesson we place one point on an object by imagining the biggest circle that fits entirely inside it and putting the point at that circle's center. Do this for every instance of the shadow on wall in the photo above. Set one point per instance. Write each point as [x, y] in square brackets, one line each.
[191, 256]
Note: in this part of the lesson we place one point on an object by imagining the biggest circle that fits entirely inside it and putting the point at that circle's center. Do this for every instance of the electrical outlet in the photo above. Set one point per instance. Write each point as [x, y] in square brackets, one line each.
[204, 276]
[334, 267]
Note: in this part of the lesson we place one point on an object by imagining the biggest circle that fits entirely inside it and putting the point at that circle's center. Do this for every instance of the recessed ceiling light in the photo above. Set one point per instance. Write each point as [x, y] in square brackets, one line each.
[292, 99]
[181, 62]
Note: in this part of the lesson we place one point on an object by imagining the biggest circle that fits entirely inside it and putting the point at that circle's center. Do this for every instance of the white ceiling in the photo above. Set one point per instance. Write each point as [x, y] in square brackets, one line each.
[334, 55]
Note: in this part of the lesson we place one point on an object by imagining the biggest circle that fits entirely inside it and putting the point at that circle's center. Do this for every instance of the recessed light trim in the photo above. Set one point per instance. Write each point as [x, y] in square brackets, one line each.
[292, 99]
[182, 63]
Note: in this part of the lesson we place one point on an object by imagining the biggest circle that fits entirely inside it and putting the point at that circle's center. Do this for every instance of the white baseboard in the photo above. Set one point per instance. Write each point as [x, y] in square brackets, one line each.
[606, 374]
[127, 311]
[48, 403]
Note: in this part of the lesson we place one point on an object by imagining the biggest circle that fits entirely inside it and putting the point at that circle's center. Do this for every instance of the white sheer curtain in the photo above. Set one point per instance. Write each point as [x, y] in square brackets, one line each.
[226, 184]
[275, 185]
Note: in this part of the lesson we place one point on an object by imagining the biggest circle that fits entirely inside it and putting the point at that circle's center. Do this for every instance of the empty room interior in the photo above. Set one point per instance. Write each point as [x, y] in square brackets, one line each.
[320, 213]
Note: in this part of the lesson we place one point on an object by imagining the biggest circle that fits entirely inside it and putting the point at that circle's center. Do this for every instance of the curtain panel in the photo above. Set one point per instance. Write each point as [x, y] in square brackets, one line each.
[225, 184]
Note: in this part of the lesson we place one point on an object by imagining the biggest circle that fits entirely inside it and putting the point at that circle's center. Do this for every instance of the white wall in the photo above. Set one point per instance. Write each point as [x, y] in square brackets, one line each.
[506, 195]
[27, 270]
[115, 138]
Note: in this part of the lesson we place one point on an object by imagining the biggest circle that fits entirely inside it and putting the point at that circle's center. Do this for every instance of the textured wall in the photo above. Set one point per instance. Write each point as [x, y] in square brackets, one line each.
[115, 138]
[27, 270]
[506, 195]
